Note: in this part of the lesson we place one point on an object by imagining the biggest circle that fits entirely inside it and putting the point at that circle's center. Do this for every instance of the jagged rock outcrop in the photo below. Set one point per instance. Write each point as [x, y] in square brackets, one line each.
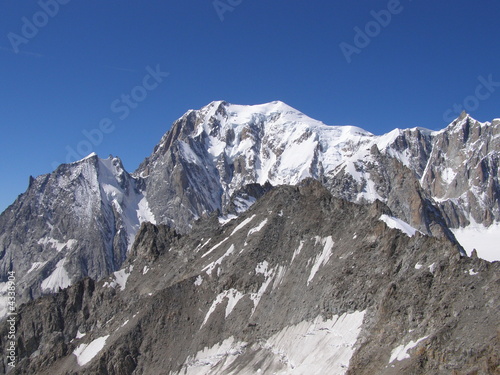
[462, 172]
[153, 241]
[301, 283]
[78, 221]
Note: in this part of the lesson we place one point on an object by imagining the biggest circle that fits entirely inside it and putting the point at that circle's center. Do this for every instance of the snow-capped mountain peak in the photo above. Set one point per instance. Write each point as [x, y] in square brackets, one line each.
[222, 147]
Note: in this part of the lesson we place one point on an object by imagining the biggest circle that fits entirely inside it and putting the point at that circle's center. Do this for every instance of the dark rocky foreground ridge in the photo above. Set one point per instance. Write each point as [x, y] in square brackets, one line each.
[301, 283]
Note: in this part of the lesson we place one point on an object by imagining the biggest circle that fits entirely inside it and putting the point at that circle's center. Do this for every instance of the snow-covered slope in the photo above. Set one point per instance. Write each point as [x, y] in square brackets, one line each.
[263, 143]
[485, 240]
[131, 206]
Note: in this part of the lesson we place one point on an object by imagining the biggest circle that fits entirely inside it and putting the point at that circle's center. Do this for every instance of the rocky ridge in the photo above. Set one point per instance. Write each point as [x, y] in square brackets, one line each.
[351, 286]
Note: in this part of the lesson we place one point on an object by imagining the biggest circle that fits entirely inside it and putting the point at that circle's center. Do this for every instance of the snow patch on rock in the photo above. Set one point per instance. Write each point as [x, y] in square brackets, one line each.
[36, 266]
[307, 348]
[484, 239]
[323, 258]
[209, 268]
[59, 246]
[242, 224]
[198, 281]
[59, 278]
[86, 352]
[395, 223]
[401, 352]
[257, 228]
[232, 296]
[120, 278]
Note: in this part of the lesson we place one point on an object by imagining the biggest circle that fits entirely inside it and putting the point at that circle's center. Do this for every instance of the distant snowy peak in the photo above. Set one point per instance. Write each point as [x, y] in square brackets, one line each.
[462, 171]
[279, 144]
[108, 186]
[82, 219]
[271, 142]
[210, 154]
[465, 122]
[245, 113]
[229, 125]
[221, 115]
[233, 130]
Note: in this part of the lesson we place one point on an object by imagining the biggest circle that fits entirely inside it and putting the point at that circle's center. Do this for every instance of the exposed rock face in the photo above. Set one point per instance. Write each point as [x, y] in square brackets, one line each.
[301, 283]
[78, 221]
[462, 172]
[398, 187]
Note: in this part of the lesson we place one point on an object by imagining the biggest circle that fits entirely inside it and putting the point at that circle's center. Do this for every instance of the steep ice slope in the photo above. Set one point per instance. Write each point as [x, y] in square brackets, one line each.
[131, 206]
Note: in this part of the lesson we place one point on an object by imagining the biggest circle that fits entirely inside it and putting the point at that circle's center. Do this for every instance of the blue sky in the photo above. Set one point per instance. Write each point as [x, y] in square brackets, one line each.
[65, 69]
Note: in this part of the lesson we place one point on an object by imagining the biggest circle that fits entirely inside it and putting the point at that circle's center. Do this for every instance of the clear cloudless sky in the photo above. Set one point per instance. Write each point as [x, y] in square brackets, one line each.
[63, 80]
